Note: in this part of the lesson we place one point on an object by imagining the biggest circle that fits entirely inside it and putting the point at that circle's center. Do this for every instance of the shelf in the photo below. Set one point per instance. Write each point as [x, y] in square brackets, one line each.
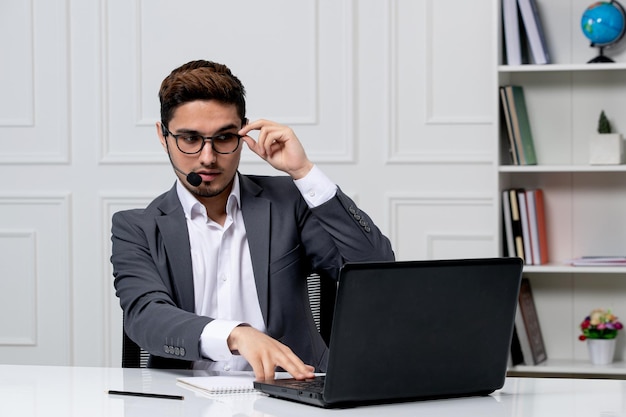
[618, 66]
[568, 269]
[561, 168]
[565, 368]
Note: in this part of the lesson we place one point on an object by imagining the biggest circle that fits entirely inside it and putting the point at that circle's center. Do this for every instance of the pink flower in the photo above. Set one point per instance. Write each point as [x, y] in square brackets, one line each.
[600, 324]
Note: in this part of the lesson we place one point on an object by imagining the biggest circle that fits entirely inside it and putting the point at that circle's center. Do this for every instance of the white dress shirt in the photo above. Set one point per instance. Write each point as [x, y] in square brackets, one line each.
[224, 285]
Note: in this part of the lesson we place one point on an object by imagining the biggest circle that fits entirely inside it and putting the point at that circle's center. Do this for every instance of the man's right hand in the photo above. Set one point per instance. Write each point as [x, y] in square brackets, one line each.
[265, 353]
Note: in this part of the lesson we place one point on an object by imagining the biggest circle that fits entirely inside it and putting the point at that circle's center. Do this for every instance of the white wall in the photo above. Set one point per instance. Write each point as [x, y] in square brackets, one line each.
[393, 99]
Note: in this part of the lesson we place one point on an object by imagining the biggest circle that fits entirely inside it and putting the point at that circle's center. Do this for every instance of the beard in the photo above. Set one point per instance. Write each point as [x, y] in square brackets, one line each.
[209, 189]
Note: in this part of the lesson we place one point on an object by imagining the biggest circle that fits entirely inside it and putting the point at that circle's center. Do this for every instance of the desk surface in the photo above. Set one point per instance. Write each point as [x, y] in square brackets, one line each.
[49, 391]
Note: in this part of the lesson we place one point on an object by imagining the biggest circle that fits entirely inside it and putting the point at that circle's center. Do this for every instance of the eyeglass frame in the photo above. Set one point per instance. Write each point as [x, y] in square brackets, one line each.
[166, 132]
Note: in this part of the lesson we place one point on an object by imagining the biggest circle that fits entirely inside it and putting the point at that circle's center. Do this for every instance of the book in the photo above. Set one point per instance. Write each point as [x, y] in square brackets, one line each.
[516, 224]
[523, 209]
[509, 250]
[511, 30]
[516, 356]
[522, 348]
[520, 123]
[537, 221]
[529, 329]
[598, 261]
[534, 31]
[219, 384]
[506, 117]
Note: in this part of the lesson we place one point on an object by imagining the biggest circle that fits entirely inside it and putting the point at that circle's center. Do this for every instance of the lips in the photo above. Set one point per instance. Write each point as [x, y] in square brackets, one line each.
[208, 175]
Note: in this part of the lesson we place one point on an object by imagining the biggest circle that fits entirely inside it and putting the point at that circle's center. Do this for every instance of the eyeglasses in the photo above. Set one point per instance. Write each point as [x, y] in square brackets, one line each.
[192, 143]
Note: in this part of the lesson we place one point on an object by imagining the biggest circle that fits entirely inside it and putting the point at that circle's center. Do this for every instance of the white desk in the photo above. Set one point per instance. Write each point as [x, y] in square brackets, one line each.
[46, 391]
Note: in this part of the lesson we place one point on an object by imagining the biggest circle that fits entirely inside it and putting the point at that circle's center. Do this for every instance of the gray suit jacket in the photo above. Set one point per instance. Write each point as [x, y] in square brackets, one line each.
[288, 241]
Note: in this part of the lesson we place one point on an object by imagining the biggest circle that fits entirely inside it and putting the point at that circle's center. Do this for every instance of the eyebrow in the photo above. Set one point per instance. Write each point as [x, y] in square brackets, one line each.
[217, 132]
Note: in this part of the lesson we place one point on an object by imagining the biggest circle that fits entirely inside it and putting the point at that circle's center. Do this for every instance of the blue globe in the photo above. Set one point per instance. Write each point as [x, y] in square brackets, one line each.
[603, 23]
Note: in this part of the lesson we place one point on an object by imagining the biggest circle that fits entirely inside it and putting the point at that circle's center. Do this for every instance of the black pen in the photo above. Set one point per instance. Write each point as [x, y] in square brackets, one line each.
[147, 394]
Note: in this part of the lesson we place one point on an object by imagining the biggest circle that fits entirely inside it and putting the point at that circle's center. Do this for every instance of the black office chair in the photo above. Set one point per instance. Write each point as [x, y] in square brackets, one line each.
[322, 293]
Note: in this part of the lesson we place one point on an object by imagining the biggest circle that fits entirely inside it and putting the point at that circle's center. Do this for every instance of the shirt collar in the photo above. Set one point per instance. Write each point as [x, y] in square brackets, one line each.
[193, 208]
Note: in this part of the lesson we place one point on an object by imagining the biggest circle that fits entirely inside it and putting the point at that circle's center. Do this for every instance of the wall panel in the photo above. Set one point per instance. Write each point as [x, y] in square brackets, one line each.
[440, 76]
[438, 227]
[35, 288]
[34, 103]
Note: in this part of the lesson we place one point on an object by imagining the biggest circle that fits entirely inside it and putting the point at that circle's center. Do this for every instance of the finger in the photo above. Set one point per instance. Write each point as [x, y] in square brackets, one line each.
[295, 367]
[269, 369]
[258, 148]
[258, 369]
[267, 137]
[255, 125]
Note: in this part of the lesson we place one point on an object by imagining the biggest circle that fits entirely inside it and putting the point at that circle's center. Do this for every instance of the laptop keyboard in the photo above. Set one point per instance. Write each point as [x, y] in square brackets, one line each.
[313, 385]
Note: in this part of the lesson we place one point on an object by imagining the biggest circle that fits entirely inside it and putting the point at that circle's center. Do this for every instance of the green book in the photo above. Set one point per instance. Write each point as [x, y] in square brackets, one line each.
[521, 124]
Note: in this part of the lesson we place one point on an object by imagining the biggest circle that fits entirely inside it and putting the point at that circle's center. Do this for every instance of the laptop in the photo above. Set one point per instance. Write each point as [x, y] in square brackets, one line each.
[414, 330]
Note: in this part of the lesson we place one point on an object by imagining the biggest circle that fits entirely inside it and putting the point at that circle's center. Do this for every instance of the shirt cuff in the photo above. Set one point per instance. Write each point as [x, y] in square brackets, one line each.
[213, 340]
[316, 188]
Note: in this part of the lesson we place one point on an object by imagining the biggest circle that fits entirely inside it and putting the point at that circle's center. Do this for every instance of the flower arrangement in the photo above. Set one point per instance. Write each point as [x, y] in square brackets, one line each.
[600, 324]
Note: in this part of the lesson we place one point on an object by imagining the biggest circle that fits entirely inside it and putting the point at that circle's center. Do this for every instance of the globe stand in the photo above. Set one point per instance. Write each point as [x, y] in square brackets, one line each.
[601, 58]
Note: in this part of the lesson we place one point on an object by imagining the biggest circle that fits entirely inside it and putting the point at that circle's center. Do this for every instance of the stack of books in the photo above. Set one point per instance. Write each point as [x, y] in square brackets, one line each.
[524, 228]
[517, 122]
[522, 30]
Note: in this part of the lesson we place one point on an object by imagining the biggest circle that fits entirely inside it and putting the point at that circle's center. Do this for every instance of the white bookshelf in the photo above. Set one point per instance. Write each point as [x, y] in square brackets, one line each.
[585, 204]
[571, 368]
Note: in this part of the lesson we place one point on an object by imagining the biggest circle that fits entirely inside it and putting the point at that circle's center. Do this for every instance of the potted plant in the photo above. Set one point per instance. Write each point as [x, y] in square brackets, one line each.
[600, 330]
[606, 147]
[604, 126]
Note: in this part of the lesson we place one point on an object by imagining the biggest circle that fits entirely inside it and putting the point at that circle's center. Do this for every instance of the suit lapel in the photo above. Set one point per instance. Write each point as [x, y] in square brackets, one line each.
[256, 217]
[173, 230]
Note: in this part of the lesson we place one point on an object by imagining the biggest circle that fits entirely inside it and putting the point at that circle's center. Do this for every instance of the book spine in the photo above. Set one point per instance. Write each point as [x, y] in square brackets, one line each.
[515, 129]
[534, 31]
[510, 21]
[523, 128]
[531, 203]
[517, 224]
[531, 324]
[506, 116]
[541, 226]
[523, 209]
[508, 224]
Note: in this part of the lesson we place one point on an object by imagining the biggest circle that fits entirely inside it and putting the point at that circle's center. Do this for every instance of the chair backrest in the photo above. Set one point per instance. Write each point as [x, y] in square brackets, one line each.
[322, 293]
[132, 355]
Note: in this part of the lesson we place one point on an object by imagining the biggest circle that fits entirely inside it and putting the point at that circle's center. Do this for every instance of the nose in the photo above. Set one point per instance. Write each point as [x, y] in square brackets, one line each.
[207, 154]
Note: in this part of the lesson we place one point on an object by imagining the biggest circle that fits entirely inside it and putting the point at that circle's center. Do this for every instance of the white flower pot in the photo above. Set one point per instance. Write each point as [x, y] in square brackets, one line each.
[606, 149]
[601, 351]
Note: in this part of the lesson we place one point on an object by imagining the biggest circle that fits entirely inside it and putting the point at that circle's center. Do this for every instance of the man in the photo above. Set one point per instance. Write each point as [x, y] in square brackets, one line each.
[213, 272]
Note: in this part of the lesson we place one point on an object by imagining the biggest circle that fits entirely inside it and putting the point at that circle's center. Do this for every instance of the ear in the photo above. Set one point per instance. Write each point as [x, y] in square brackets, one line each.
[162, 134]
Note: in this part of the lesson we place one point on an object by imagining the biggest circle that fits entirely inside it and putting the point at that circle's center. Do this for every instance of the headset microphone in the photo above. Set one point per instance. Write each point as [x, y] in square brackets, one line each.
[194, 179]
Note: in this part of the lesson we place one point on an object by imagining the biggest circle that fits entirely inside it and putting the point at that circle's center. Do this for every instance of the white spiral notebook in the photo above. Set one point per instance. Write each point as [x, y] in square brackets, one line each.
[219, 384]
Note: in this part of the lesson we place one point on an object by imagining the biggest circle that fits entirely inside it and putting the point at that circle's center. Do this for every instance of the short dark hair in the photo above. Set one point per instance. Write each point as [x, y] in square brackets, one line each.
[201, 80]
